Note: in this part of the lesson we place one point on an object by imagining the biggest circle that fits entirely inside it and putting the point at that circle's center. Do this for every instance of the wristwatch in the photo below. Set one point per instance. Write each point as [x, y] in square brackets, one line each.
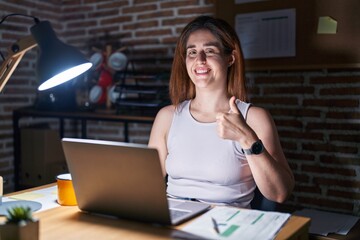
[256, 148]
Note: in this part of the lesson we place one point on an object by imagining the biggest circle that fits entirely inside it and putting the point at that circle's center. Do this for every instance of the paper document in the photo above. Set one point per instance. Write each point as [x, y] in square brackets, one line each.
[46, 196]
[267, 34]
[323, 222]
[224, 222]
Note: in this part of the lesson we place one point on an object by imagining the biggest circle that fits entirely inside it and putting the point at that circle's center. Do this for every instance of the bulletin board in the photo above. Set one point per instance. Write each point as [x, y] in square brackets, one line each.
[313, 50]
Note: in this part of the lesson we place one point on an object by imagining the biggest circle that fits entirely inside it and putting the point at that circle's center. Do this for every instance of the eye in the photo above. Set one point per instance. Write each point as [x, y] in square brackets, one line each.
[191, 53]
[211, 51]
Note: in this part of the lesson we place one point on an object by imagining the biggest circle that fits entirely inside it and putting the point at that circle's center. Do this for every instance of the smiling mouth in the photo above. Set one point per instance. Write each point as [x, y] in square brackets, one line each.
[201, 71]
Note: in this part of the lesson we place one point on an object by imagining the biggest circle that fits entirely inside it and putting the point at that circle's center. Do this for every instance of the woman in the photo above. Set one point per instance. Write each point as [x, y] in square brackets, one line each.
[214, 146]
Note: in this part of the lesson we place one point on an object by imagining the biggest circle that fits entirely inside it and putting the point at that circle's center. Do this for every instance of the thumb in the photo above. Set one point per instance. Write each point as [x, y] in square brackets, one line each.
[233, 106]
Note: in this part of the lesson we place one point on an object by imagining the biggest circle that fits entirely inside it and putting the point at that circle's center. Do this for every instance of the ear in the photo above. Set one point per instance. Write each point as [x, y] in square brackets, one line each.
[231, 59]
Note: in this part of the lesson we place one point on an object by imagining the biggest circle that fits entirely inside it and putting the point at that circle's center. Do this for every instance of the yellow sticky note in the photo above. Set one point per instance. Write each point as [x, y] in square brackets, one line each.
[327, 25]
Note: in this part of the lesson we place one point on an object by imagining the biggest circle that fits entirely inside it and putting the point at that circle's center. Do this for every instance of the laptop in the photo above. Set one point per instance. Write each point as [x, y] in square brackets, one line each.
[124, 180]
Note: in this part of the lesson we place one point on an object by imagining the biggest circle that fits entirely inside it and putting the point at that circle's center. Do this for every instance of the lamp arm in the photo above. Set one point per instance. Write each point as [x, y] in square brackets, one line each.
[17, 51]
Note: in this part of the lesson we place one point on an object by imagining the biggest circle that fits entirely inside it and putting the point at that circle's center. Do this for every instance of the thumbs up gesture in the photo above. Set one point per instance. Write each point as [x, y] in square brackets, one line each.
[232, 125]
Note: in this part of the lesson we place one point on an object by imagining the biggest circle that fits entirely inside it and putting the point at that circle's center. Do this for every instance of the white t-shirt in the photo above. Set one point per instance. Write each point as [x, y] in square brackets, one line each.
[203, 166]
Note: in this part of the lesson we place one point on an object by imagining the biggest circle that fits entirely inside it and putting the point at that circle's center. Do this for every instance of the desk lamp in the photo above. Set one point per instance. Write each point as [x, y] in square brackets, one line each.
[57, 62]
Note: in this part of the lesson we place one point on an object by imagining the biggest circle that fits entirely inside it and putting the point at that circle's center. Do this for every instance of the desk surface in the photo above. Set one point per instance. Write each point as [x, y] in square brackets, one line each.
[70, 223]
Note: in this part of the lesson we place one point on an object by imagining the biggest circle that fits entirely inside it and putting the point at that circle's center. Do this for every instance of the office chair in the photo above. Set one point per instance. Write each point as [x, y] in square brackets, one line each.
[260, 202]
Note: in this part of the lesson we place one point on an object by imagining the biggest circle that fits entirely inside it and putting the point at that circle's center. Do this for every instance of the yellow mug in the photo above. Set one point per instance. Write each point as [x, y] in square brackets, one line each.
[65, 193]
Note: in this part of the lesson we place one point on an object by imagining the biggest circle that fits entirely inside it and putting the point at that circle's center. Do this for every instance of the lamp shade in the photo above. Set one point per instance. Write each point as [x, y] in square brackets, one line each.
[57, 62]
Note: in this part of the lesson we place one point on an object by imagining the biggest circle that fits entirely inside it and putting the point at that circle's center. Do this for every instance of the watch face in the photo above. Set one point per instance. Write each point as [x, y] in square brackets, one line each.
[257, 147]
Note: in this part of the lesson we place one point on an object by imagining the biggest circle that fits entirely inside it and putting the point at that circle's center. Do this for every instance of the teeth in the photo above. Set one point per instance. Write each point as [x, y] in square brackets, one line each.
[201, 71]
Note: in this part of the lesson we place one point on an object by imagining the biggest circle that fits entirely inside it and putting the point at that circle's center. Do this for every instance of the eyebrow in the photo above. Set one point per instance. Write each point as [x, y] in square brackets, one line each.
[208, 44]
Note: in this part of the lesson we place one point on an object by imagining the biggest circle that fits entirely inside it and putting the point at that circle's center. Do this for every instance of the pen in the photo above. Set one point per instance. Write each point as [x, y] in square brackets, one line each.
[215, 225]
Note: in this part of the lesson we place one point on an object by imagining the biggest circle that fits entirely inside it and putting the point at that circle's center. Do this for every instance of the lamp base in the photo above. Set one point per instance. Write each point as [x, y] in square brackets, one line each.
[34, 206]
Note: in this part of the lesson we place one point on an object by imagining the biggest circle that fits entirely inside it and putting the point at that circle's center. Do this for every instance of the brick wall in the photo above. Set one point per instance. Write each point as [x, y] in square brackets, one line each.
[318, 119]
[317, 112]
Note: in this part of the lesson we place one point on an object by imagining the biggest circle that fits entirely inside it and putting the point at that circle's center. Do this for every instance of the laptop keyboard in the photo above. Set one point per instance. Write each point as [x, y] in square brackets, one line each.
[177, 214]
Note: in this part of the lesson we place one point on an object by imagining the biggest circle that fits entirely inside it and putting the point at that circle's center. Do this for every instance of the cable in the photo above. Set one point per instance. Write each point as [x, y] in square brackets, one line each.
[36, 20]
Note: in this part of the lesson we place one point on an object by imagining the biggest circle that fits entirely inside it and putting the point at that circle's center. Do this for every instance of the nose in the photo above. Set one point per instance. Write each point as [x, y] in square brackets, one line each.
[201, 57]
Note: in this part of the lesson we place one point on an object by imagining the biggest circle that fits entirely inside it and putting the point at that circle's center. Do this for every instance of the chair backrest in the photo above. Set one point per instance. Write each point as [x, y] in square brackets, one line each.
[260, 202]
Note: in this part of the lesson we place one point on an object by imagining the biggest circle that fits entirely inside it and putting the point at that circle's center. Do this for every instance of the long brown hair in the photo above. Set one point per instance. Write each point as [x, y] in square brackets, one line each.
[181, 87]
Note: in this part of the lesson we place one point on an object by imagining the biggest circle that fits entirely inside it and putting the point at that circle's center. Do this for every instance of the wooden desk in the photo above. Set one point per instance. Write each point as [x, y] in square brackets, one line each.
[70, 223]
[82, 116]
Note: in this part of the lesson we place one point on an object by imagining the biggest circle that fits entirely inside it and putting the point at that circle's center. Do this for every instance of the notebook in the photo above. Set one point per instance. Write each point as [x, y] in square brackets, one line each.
[123, 180]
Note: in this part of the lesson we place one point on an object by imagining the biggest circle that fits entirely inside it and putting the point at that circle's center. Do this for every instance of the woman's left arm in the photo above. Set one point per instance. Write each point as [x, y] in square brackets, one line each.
[270, 168]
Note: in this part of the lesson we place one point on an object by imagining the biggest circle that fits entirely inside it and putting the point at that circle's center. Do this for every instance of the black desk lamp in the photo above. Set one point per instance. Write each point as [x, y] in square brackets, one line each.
[57, 62]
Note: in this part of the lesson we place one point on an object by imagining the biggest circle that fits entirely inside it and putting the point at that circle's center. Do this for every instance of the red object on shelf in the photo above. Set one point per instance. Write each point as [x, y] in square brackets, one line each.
[105, 81]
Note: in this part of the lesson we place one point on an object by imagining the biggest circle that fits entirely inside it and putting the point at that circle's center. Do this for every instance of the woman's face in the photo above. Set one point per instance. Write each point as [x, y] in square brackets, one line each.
[206, 62]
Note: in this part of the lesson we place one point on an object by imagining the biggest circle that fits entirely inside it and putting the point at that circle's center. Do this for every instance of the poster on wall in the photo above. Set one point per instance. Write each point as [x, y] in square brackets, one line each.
[267, 34]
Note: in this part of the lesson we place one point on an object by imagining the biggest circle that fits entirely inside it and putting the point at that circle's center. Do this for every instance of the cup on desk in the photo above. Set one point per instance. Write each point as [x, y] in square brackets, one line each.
[65, 194]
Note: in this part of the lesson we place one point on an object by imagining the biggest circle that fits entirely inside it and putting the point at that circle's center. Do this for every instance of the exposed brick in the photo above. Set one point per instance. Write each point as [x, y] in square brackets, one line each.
[343, 115]
[332, 126]
[340, 91]
[81, 24]
[176, 21]
[100, 14]
[170, 40]
[141, 42]
[137, 2]
[302, 178]
[299, 156]
[355, 137]
[275, 100]
[176, 4]
[331, 103]
[103, 30]
[139, 9]
[341, 160]
[289, 145]
[68, 3]
[335, 80]
[112, 4]
[337, 182]
[288, 90]
[296, 80]
[196, 10]
[115, 19]
[139, 25]
[344, 194]
[6, 8]
[327, 203]
[329, 148]
[150, 33]
[288, 123]
[300, 135]
[157, 14]
[328, 170]
[307, 189]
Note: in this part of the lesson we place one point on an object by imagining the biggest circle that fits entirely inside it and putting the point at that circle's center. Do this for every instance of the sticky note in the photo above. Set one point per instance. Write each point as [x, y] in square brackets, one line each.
[327, 25]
